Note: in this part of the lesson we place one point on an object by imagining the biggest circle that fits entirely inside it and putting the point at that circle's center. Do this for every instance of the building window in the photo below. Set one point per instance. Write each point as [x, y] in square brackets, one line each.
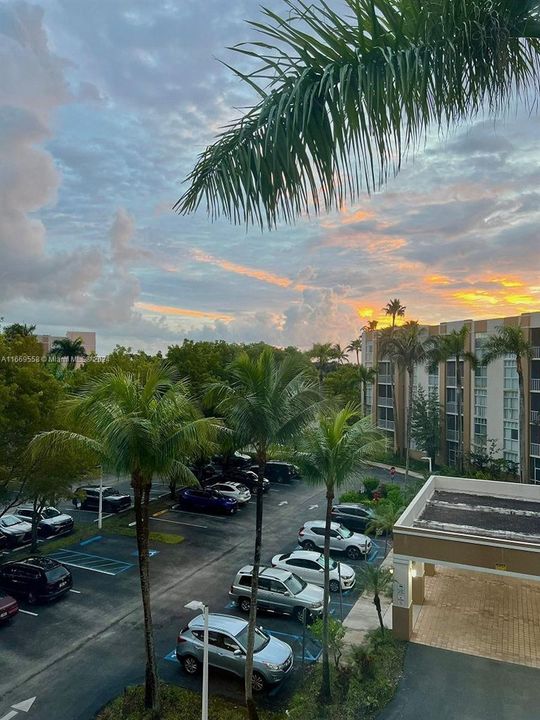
[511, 405]
[510, 373]
[510, 437]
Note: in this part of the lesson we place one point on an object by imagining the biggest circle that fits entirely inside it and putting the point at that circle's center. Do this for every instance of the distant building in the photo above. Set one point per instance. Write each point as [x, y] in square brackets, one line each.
[490, 402]
[88, 340]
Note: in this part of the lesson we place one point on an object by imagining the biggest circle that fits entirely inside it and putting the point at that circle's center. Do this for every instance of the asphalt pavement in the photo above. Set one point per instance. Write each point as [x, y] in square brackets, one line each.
[76, 654]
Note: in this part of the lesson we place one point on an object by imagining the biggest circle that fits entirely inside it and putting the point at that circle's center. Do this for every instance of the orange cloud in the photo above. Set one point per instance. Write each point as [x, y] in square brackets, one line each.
[262, 275]
[438, 280]
[347, 217]
[521, 300]
[184, 312]
[475, 296]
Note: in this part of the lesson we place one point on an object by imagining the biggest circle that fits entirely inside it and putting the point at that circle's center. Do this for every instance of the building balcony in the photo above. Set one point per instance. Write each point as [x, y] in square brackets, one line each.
[385, 424]
[535, 449]
[535, 417]
[385, 402]
[451, 407]
[536, 353]
[452, 435]
[535, 384]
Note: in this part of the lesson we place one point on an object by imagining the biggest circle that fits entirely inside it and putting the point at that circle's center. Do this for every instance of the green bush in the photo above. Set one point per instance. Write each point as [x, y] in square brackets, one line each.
[370, 485]
[353, 496]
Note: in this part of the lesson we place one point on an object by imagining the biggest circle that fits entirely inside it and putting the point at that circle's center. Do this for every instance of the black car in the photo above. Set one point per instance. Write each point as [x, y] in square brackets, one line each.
[277, 471]
[353, 516]
[246, 477]
[50, 520]
[35, 578]
[113, 500]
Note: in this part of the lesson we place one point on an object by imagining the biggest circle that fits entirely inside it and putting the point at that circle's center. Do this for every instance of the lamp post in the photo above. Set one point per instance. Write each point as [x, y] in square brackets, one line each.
[100, 501]
[427, 459]
[198, 605]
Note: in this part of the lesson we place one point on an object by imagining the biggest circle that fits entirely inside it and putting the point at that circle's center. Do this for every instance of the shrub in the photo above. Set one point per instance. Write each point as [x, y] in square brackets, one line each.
[370, 485]
[336, 633]
[353, 496]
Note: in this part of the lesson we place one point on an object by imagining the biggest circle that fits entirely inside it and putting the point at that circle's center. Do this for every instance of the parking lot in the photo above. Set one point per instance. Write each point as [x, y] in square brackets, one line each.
[77, 653]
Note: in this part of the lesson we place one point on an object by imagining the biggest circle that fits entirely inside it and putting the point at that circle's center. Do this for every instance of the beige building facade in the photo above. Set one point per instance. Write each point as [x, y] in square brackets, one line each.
[490, 401]
[88, 340]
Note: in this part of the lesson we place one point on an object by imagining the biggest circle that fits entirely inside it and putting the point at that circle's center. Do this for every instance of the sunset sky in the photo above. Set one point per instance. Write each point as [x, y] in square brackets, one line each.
[104, 106]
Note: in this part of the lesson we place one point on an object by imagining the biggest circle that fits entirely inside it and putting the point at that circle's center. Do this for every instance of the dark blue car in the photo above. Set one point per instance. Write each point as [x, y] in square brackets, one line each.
[206, 501]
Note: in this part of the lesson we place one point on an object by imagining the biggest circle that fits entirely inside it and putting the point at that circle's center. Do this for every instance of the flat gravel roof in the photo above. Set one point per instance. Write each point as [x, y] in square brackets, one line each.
[497, 517]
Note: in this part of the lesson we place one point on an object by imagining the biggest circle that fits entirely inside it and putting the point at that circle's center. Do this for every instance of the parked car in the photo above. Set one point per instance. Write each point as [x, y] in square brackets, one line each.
[353, 516]
[227, 643]
[113, 500]
[246, 477]
[206, 501]
[231, 489]
[279, 591]
[277, 471]
[35, 578]
[309, 565]
[354, 545]
[8, 607]
[15, 530]
[4, 544]
[50, 520]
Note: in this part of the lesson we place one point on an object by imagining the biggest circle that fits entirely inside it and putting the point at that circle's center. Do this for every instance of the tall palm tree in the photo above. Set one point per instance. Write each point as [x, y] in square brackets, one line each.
[332, 452]
[406, 349]
[367, 376]
[344, 96]
[371, 325]
[70, 349]
[440, 349]
[339, 354]
[394, 309]
[141, 425]
[377, 580]
[511, 340]
[18, 330]
[322, 354]
[266, 402]
[356, 347]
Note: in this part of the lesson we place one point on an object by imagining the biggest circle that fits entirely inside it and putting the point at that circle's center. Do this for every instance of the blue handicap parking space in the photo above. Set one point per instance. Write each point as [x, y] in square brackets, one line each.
[94, 563]
[171, 657]
[151, 553]
[376, 552]
[312, 648]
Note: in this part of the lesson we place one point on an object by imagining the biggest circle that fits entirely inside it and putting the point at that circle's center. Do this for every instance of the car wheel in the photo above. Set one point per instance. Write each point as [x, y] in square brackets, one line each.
[191, 665]
[244, 604]
[353, 553]
[334, 586]
[32, 599]
[258, 683]
[308, 545]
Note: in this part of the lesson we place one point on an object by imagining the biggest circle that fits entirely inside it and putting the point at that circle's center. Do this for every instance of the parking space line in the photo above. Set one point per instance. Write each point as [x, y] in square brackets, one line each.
[191, 514]
[77, 592]
[94, 563]
[104, 517]
[27, 612]
[178, 522]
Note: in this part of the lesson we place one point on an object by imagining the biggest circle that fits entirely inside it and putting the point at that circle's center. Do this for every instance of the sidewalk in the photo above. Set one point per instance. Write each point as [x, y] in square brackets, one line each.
[363, 616]
[399, 470]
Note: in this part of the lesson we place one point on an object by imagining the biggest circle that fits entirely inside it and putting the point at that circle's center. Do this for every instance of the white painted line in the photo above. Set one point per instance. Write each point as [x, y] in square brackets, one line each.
[312, 507]
[10, 714]
[283, 502]
[77, 592]
[27, 612]
[104, 517]
[220, 518]
[85, 567]
[272, 490]
[178, 522]
[131, 524]
[25, 705]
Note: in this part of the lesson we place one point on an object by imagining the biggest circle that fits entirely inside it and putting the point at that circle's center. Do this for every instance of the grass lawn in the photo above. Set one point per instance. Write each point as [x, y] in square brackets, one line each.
[178, 704]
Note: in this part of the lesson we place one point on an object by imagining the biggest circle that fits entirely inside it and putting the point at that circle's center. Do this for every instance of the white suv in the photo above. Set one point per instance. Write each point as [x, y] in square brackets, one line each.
[354, 545]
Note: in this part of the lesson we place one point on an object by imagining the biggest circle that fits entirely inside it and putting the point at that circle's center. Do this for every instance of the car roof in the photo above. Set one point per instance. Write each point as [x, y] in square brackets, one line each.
[353, 505]
[321, 523]
[42, 562]
[302, 554]
[9, 515]
[218, 621]
[276, 573]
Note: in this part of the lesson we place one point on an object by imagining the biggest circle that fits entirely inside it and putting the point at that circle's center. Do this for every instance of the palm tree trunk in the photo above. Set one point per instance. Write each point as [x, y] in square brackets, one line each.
[377, 603]
[141, 493]
[325, 694]
[397, 448]
[522, 440]
[408, 421]
[357, 357]
[252, 620]
[458, 409]
[364, 398]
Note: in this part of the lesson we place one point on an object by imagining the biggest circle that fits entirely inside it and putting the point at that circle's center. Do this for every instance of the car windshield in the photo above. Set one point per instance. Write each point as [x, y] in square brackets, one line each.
[261, 639]
[344, 532]
[9, 520]
[295, 585]
[51, 513]
[55, 574]
[332, 563]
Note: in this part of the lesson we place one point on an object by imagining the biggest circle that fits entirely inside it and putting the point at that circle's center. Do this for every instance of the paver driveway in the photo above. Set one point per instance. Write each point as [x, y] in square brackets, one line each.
[453, 686]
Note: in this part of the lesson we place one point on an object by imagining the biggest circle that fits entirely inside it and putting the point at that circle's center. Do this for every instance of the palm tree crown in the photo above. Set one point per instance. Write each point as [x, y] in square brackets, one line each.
[356, 347]
[394, 309]
[345, 95]
[70, 349]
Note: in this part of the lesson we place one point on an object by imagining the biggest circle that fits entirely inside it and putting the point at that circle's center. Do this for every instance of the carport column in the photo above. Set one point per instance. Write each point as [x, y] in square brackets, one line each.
[418, 583]
[429, 569]
[402, 600]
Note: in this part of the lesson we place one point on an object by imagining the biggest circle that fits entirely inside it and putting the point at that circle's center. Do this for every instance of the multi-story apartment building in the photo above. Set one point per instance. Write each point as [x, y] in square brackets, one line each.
[490, 402]
[88, 340]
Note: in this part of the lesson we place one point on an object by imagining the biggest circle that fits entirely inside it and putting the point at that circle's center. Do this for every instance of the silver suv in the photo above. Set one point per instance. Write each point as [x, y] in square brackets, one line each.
[227, 642]
[280, 591]
[354, 545]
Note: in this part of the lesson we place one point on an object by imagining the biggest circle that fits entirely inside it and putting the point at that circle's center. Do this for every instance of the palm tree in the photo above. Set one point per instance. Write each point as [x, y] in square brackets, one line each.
[377, 580]
[371, 325]
[332, 452]
[71, 349]
[385, 516]
[322, 354]
[394, 309]
[345, 96]
[141, 425]
[339, 354]
[405, 349]
[356, 347]
[266, 402]
[440, 349]
[11, 332]
[367, 376]
[510, 340]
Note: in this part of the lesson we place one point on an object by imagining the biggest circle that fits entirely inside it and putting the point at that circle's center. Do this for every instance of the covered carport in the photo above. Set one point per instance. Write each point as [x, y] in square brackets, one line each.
[467, 569]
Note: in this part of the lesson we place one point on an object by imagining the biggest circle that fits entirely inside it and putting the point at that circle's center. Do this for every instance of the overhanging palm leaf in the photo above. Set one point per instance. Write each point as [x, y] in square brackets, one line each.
[344, 97]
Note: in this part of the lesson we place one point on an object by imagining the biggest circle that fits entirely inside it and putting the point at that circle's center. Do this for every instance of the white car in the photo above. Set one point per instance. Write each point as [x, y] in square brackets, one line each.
[309, 566]
[234, 490]
[354, 545]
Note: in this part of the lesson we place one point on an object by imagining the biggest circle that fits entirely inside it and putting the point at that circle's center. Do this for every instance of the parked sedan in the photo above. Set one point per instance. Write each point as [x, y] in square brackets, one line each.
[50, 520]
[277, 471]
[234, 490]
[8, 607]
[15, 530]
[35, 578]
[310, 567]
[354, 545]
[354, 516]
[245, 477]
[227, 644]
[206, 501]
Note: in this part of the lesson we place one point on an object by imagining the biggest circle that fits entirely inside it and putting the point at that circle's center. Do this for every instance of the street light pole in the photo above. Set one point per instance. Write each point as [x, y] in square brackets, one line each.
[198, 605]
[100, 502]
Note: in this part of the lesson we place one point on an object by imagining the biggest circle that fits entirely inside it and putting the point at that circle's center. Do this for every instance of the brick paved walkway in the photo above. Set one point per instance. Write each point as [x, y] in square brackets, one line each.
[480, 614]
